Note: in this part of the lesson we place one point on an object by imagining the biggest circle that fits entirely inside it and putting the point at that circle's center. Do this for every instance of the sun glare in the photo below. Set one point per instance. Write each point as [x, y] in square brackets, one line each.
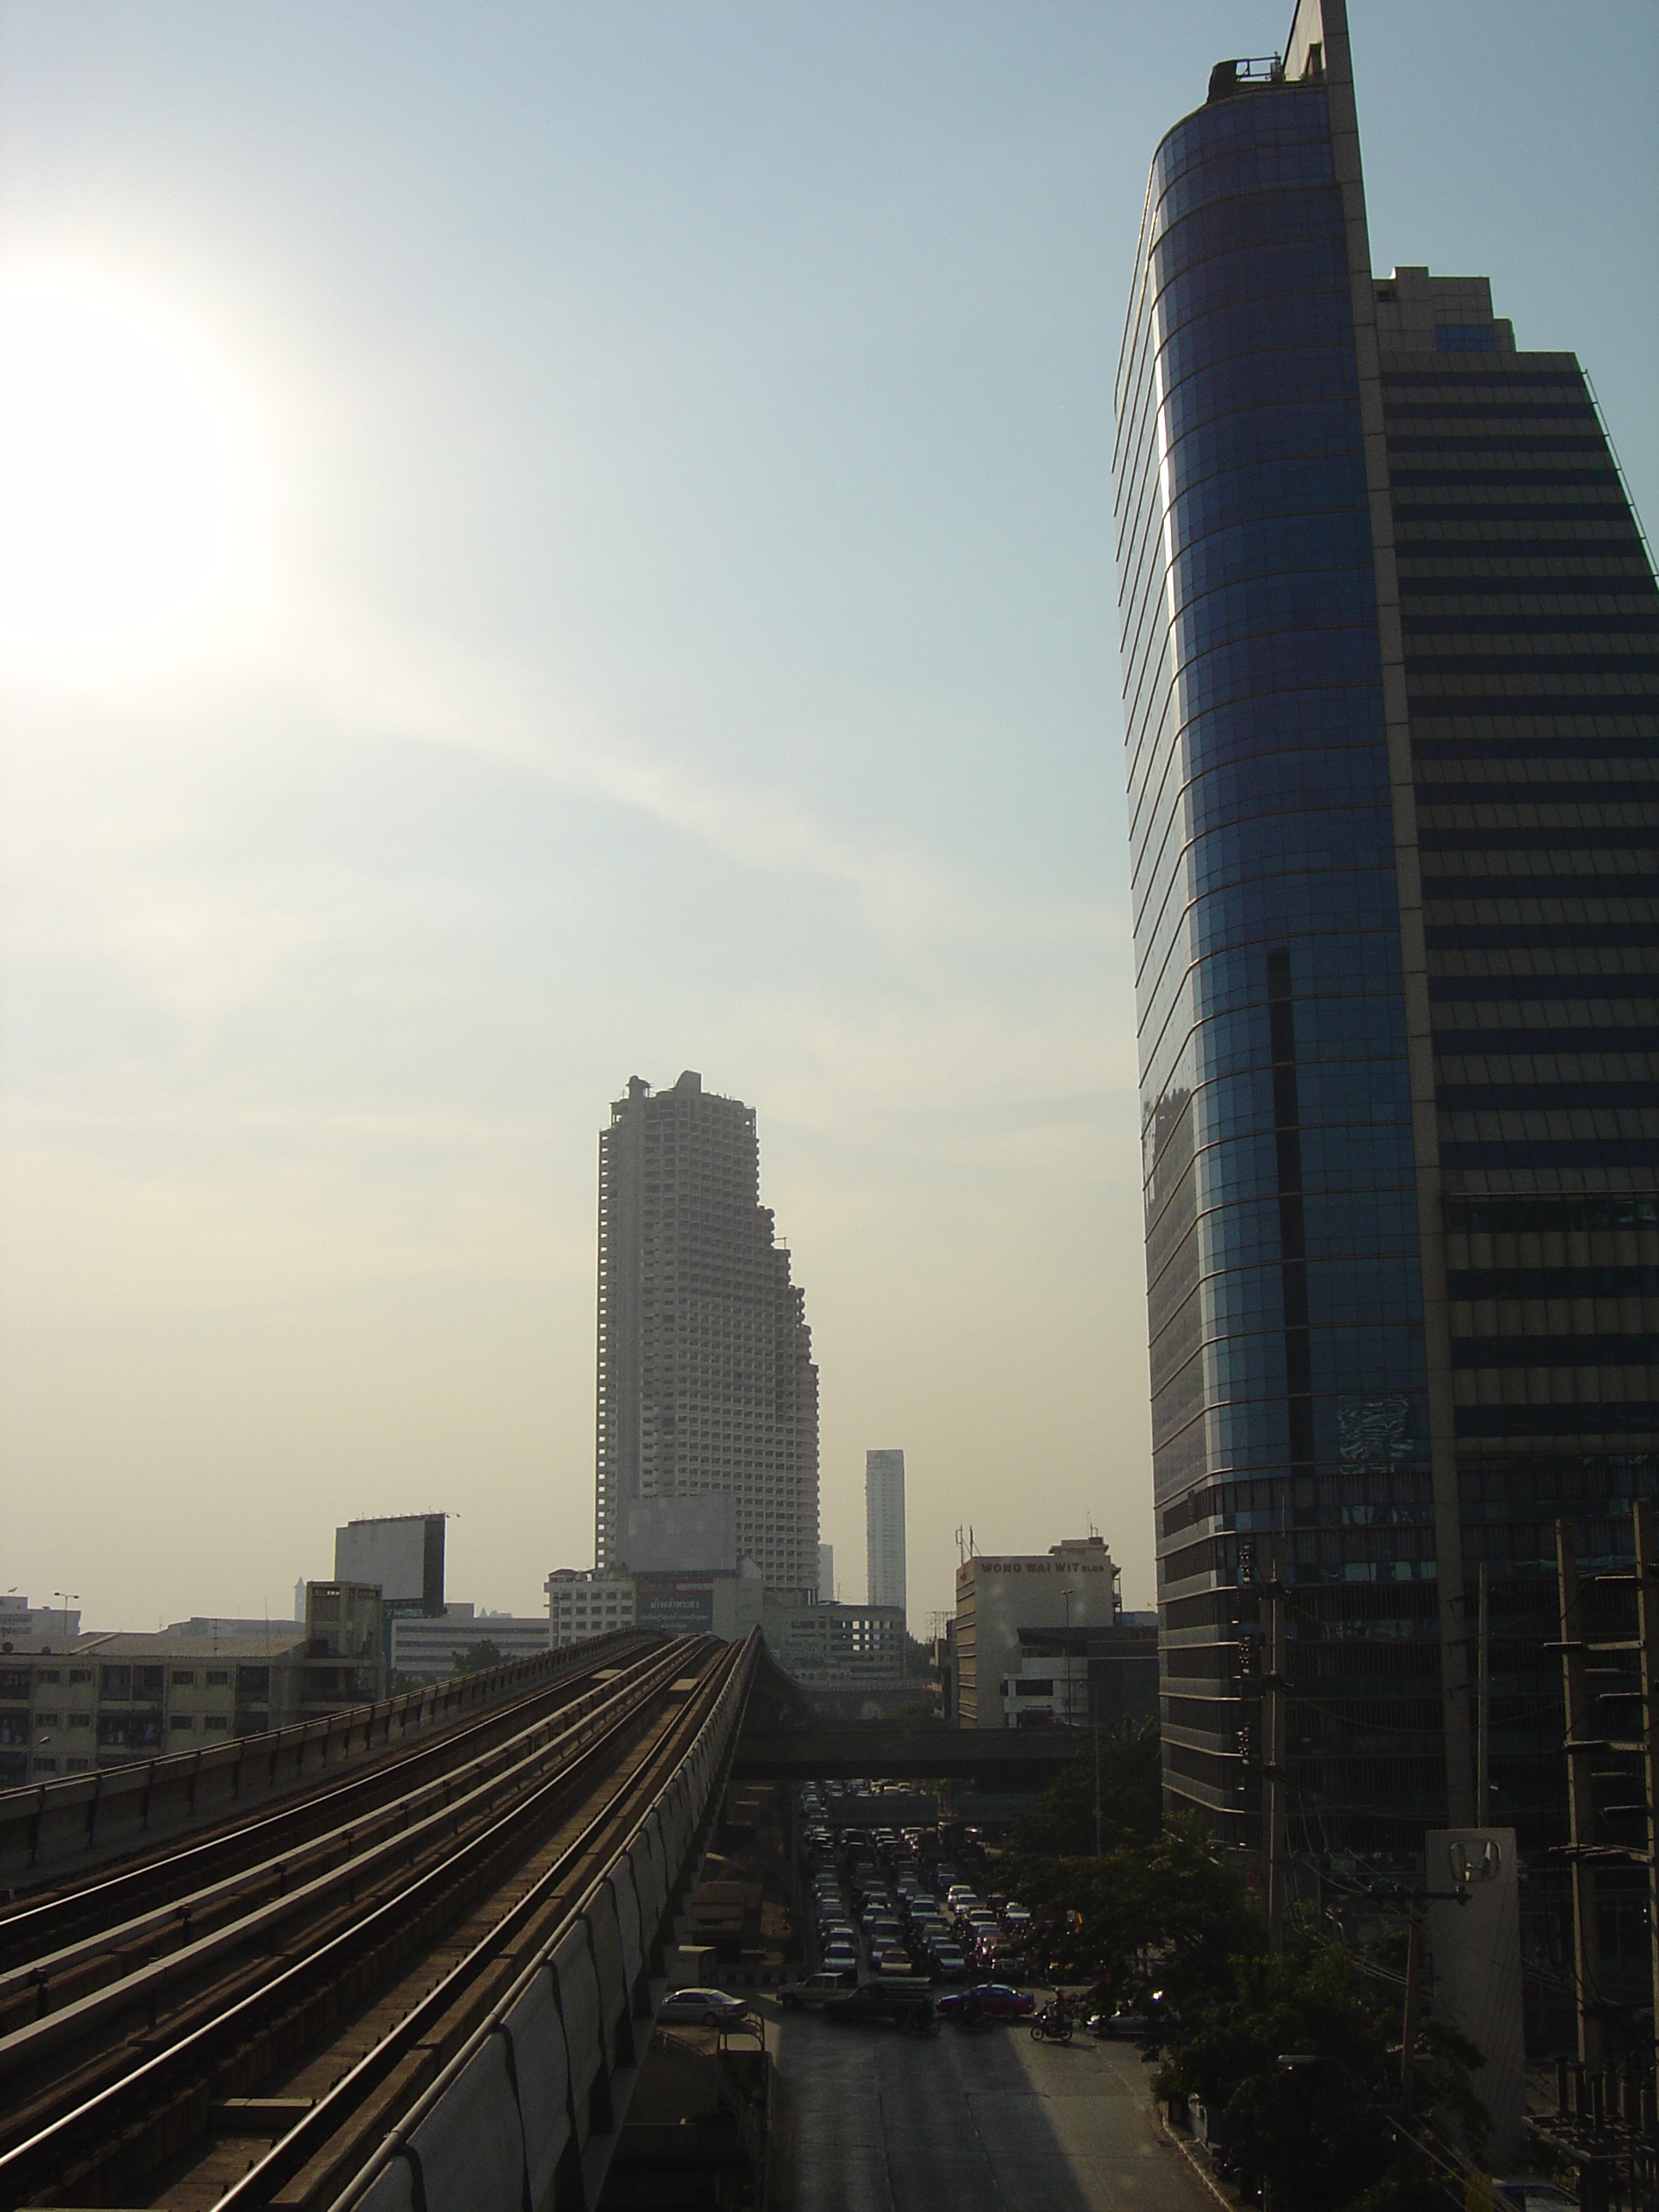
[129, 495]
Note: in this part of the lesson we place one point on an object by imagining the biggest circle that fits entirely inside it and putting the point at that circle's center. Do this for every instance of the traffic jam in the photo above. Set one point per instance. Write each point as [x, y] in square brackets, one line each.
[908, 1933]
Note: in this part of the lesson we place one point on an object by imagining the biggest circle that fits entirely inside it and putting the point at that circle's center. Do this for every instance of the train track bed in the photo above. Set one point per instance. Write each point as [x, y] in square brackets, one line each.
[41, 1919]
[258, 2042]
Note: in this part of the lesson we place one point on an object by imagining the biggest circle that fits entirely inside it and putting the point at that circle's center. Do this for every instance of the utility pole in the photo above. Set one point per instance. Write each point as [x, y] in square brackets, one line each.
[1580, 1799]
[1647, 1630]
[1273, 1775]
[1483, 1734]
[1413, 1974]
[1094, 1701]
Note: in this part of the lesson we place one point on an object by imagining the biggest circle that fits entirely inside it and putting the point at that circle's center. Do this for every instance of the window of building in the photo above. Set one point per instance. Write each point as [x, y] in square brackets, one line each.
[115, 1682]
[216, 1721]
[184, 1678]
[76, 1765]
[218, 1678]
[49, 1675]
[45, 1720]
[80, 1719]
[79, 1674]
[45, 1765]
[146, 1683]
[182, 1721]
[14, 1681]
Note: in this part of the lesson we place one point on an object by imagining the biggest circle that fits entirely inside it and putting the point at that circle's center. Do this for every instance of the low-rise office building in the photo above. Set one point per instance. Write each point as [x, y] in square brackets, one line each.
[836, 1646]
[1073, 1585]
[430, 1650]
[1083, 1677]
[344, 1661]
[107, 1698]
[582, 1603]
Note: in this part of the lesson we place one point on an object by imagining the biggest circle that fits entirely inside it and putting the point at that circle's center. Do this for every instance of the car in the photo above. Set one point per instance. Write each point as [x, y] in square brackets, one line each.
[991, 2000]
[1527, 2194]
[948, 1963]
[710, 2008]
[811, 1992]
[1115, 2025]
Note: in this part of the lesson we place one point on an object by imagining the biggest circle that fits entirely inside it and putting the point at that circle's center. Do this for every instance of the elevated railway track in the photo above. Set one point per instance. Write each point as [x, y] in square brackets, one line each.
[293, 2008]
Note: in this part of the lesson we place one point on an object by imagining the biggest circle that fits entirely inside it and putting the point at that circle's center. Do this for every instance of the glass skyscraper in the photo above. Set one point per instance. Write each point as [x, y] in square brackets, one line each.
[1391, 677]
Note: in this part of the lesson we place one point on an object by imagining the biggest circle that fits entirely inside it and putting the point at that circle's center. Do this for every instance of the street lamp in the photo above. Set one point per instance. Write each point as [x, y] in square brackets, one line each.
[69, 1597]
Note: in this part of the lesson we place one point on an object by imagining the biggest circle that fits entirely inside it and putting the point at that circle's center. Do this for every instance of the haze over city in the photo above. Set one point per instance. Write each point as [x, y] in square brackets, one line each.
[545, 546]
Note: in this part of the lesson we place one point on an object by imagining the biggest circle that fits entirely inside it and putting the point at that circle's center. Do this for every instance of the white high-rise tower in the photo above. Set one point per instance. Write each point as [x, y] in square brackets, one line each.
[706, 1382]
[884, 1525]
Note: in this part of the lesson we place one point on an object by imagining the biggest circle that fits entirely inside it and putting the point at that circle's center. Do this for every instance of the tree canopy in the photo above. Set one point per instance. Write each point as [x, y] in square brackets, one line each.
[1299, 2077]
[1062, 1822]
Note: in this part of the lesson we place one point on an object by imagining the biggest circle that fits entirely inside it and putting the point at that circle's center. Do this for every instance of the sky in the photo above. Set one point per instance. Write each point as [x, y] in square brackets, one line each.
[543, 543]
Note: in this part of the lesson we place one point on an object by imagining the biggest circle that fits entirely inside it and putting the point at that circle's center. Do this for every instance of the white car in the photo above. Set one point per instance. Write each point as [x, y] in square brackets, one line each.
[709, 2008]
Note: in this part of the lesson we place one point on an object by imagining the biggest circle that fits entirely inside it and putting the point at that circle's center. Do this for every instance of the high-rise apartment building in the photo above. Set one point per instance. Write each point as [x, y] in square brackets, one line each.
[706, 1380]
[883, 1527]
[1391, 668]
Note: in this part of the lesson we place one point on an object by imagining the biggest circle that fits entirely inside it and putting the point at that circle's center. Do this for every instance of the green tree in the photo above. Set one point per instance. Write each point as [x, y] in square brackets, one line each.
[477, 1658]
[1303, 2077]
[1162, 1915]
[1062, 1822]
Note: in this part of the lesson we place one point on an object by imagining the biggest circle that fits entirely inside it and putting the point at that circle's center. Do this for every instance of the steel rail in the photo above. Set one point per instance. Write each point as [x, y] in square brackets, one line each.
[68, 2023]
[150, 2082]
[332, 2111]
[358, 1839]
[425, 2101]
[34, 1923]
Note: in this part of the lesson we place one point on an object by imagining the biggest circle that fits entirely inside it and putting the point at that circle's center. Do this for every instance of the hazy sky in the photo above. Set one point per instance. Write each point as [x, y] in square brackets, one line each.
[545, 544]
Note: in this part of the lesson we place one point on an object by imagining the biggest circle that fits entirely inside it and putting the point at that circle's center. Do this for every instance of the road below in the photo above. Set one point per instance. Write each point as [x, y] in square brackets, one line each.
[955, 2123]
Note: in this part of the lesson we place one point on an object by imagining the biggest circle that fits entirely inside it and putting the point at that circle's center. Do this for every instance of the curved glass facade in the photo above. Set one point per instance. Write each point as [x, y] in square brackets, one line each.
[1284, 1284]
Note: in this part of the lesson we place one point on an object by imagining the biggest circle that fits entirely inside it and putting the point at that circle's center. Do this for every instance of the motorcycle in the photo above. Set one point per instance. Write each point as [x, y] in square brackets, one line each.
[1052, 2025]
